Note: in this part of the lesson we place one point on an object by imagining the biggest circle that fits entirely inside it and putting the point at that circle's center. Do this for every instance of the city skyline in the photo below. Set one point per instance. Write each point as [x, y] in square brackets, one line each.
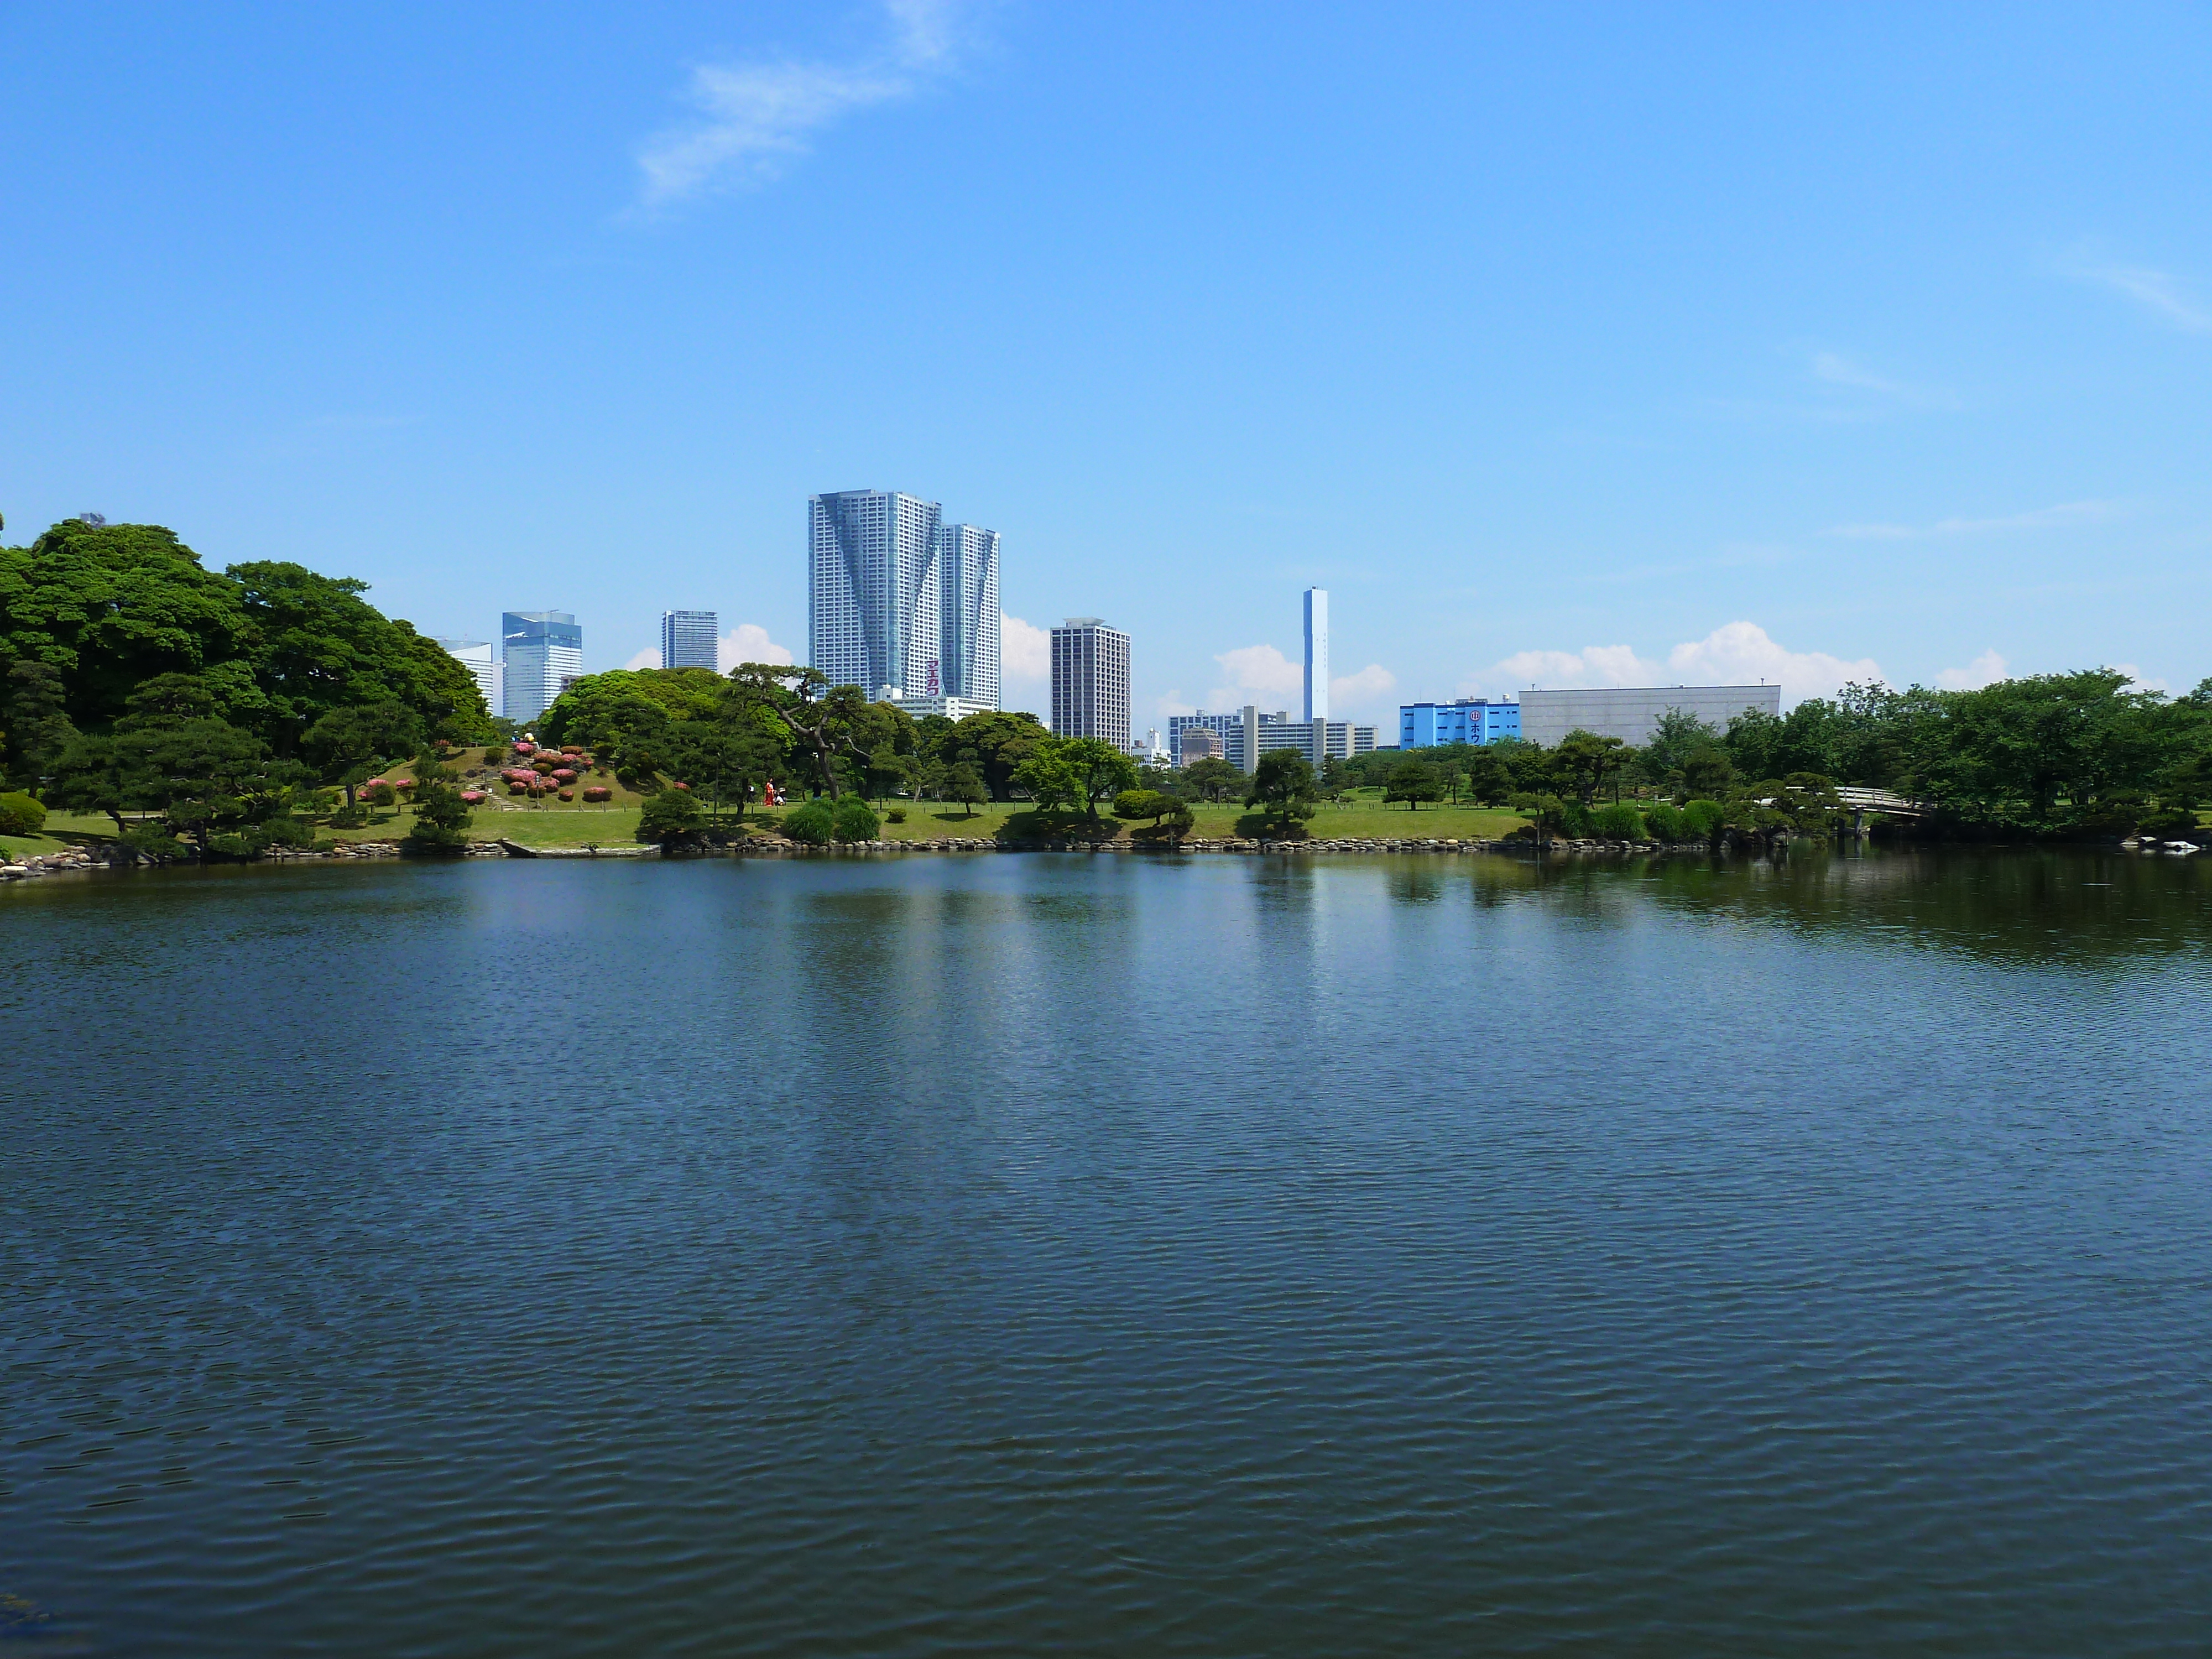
[1975, 382]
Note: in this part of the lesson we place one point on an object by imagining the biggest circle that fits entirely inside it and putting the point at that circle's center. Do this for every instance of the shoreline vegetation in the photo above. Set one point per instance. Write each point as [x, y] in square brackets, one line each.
[153, 710]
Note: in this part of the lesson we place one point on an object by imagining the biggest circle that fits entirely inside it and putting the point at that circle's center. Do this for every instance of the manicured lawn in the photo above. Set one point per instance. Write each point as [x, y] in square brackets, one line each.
[15, 847]
[554, 823]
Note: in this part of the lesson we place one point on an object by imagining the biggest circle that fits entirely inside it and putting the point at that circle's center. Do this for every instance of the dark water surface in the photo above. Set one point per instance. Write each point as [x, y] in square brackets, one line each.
[1015, 1253]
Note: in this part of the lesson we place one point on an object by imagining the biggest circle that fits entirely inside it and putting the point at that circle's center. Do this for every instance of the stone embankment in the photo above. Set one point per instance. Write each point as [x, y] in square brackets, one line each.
[80, 858]
[50, 864]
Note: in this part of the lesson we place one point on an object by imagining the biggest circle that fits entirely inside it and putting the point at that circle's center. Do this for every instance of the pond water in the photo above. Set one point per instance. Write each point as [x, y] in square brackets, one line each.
[1106, 1256]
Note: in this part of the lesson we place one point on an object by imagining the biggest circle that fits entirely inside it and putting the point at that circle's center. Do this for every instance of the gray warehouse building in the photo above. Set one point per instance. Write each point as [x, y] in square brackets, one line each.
[1632, 713]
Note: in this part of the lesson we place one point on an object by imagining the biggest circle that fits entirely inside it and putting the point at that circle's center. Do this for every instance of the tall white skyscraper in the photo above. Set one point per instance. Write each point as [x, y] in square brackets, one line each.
[967, 612]
[688, 639]
[872, 592]
[542, 651]
[1316, 653]
[899, 601]
[1091, 681]
[476, 655]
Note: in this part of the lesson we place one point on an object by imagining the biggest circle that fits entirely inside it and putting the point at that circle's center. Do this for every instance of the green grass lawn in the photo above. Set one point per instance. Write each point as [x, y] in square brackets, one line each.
[16, 847]
[555, 824]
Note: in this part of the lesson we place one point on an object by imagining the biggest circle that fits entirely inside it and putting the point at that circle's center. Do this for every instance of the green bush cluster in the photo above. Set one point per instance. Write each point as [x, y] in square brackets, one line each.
[20, 815]
[818, 823]
[1618, 822]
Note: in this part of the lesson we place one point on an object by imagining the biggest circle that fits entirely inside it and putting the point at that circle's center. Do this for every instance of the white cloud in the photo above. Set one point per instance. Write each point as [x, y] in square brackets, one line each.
[1256, 674]
[1597, 666]
[1172, 703]
[1024, 651]
[748, 642]
[2156, 289]
[754, 117]
[2042, 518]
[648, 658]
[1836, 369]
[1371, 683]
[1985, 669]
[1742, 652]
[1739, 654]
[2137, 683]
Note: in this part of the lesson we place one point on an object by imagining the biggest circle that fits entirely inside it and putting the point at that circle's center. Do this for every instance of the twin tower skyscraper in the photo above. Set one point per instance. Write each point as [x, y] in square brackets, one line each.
[899, 601]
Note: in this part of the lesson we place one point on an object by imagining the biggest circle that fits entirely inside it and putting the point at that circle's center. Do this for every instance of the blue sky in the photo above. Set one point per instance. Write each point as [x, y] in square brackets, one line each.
[1563, 345]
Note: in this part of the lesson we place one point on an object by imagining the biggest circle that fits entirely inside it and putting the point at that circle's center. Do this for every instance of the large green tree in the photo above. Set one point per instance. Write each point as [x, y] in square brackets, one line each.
[994, 744]
[109, 607]
[1068, 773]
[1283, 787]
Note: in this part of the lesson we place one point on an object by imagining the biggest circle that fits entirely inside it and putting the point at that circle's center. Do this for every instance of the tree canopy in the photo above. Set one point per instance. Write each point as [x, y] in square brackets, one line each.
[272, 647]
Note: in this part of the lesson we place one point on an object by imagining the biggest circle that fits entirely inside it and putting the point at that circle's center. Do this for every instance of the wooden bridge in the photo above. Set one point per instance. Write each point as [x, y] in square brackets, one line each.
[1860, 803]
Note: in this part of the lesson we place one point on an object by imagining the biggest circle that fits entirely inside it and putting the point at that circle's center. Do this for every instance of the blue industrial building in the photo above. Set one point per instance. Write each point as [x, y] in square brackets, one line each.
[1470, 720]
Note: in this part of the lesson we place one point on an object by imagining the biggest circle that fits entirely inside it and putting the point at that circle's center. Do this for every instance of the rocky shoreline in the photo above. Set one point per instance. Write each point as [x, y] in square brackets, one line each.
[76, 858]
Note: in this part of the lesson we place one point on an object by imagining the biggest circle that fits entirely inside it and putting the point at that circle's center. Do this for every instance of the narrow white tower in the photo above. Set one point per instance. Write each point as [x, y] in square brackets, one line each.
[1316, 653]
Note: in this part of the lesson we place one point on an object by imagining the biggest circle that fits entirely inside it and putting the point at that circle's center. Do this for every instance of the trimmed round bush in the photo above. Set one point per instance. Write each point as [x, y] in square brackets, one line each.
[20, 814]
[1702, 819]
[599, 792]
[1618, 821]
[1666, 822]
[853, 821]
[514, 788]
[472, 797]
[563, 775]
[812, 823]
[522, 748]
[568, 794]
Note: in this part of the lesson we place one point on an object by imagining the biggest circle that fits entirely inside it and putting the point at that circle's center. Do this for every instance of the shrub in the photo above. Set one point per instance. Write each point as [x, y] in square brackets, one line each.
[1702, 819]
[381, 793]
[473, 797]
[1142, 804]
[669, 816]
[514, 788]
[1666, 822]
[896, 815]
[20, 815]
[599, 792]
[853, 821]
[568, 794]
[812, 823]
[1618, 821]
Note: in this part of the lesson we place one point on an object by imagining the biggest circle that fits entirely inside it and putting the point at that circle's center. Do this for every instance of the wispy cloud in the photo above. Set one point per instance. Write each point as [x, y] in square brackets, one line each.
[1736, 653]
[2159, 290]
[2042, 518]
[1833, 368]
[755, 117]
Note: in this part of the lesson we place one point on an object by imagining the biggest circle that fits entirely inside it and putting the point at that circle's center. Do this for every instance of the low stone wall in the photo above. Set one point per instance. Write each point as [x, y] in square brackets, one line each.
[77, 859]
[51, 864]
